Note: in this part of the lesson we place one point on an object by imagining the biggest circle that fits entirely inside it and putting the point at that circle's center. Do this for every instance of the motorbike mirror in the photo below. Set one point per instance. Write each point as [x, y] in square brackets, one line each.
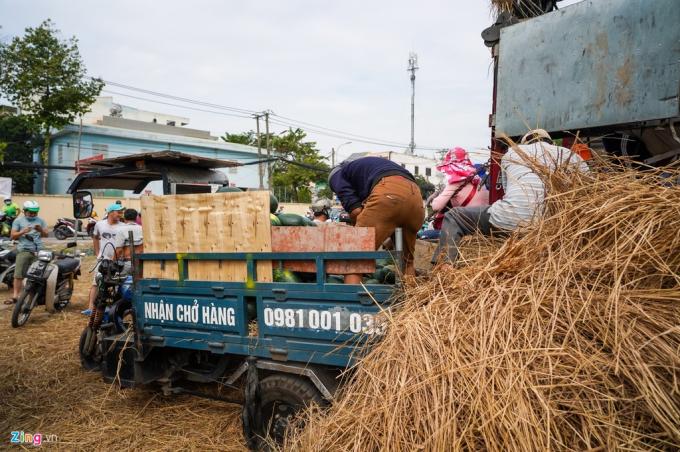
[71, 245]
[83, 205]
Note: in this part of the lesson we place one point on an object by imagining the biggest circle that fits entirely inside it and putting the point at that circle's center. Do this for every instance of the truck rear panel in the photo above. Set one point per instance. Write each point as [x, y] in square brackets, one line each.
[301, 322]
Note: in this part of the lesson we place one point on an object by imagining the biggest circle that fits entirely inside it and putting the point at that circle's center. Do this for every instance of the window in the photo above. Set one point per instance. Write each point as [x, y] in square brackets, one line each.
[170, 123]
[428, 172]
[60, 154]
[100, 149]
[416, 170]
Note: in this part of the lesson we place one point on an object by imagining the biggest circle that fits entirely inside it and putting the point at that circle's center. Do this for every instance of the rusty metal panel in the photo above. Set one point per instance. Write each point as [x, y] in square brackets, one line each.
[326, 237]
[595, 63]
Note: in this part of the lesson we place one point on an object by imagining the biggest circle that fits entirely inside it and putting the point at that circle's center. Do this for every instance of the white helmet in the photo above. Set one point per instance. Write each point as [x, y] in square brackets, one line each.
[32, 206]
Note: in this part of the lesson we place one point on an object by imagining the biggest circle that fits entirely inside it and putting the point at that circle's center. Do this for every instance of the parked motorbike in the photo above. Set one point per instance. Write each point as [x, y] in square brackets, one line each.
[69, 227]
[7, 257]
[112, 312]
[49, 282]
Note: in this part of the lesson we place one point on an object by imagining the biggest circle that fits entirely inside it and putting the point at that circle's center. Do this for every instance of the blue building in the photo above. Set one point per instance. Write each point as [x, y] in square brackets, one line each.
[115, 137]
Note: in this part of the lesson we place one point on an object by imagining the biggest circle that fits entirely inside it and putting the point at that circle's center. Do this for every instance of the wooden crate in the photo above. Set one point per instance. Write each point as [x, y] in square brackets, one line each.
[326, 237]
[207, 222]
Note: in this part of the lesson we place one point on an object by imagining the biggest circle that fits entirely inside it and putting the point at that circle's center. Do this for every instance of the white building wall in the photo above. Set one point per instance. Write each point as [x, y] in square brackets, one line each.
[415, 164]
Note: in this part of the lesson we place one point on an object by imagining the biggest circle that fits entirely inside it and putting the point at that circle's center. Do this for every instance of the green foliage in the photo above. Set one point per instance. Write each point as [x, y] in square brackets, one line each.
[426, 188]
[291, 146]
[19, 137]
[249, 138]
[326, 193]
[46, 78]
[290, 182]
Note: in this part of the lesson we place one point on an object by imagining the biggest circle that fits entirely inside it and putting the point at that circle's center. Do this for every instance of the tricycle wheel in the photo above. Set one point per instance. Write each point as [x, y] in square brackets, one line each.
[87, 348]
[282, 397]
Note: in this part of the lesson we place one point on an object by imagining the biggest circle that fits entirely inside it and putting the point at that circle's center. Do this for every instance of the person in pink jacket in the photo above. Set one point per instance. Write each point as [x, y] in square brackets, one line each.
[464, 187]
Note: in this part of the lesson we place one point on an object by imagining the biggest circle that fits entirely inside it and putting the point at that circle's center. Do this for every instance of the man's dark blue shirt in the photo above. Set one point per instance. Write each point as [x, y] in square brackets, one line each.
[355, 179]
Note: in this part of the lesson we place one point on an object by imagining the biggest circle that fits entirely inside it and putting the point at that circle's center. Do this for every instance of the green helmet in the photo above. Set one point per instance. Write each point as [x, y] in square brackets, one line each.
[32, 206]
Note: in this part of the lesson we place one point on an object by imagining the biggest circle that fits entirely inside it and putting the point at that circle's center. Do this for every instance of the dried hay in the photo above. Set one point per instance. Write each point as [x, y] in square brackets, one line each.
[566, 338]
[43, 389]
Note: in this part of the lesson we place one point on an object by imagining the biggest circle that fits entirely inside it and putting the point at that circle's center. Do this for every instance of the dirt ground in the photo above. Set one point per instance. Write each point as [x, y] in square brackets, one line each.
[44, 390]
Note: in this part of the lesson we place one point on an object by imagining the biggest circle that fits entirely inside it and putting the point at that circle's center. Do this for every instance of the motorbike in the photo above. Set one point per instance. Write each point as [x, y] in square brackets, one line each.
[69, 227]
[112, 311]
[7, 257]
[49, 282]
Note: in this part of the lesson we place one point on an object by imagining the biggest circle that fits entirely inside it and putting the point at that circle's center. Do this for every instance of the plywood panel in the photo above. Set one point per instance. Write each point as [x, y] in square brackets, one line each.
[216, 222]
[327, 237]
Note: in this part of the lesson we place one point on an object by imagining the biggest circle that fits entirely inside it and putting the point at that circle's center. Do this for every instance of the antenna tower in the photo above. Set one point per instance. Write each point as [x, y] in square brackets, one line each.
[412, 68]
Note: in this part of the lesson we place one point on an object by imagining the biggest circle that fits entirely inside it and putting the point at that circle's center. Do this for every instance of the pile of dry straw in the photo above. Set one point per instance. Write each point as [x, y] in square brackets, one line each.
[44, 390]
[567, 337]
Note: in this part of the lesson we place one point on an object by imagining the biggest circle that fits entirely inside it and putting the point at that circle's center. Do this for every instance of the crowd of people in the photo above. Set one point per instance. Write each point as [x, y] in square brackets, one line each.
[110, 239]
[375, 192]
[382, 194]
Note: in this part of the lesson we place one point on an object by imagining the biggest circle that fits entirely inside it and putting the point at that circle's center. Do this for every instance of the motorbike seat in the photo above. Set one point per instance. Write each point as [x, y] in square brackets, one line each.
[67, 265]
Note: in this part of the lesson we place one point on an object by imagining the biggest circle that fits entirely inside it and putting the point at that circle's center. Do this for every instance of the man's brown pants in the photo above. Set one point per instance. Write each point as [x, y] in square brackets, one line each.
[395, 202]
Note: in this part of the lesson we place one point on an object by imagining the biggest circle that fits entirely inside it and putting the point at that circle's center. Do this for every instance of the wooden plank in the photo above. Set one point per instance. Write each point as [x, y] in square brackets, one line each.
[328, 237]
[215, 222]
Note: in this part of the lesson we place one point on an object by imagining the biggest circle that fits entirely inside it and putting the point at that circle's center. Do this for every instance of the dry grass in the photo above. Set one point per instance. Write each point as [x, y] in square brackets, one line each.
[43, 389]
[565, 338]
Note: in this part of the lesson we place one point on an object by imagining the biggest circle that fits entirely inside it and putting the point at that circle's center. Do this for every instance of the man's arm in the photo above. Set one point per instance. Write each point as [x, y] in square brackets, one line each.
[16, 232]
[41, 228]
[347, 195]
[95, 244]
[95, 239]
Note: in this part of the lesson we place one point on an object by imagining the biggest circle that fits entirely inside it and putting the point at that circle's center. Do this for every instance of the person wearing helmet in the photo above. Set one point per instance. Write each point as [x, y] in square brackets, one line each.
[321, 211]
[28, 231]
[9, 208]
[104, 242]
[523, 199]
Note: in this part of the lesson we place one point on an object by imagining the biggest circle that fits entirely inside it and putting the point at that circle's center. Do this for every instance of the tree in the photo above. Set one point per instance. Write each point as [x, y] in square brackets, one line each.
[248, 138]
[46, 79]
[308, 166]
[426, 187]
[19, 139]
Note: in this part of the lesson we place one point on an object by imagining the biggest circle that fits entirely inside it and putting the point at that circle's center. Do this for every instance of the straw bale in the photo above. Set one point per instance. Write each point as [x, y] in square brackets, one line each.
[566, 337]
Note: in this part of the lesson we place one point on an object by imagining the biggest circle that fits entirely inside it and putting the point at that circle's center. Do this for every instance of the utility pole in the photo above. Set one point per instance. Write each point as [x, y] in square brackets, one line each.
[259, 151]
[412, 68]
[269, 151]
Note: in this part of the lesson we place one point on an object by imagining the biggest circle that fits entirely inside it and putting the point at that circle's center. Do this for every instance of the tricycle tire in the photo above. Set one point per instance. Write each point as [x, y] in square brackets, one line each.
[283, 396]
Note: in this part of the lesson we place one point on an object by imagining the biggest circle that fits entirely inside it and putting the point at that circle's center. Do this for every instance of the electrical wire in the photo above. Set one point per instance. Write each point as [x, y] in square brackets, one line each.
[281, 121]
[176, 105]
[182, 99]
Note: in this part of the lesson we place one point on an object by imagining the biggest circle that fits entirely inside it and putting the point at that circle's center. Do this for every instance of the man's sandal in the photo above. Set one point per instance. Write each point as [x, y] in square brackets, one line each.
[10, 301]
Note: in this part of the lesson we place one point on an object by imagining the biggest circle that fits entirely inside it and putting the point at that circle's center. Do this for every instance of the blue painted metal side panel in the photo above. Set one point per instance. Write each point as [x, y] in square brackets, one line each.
[307, 323]
[595, 63]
